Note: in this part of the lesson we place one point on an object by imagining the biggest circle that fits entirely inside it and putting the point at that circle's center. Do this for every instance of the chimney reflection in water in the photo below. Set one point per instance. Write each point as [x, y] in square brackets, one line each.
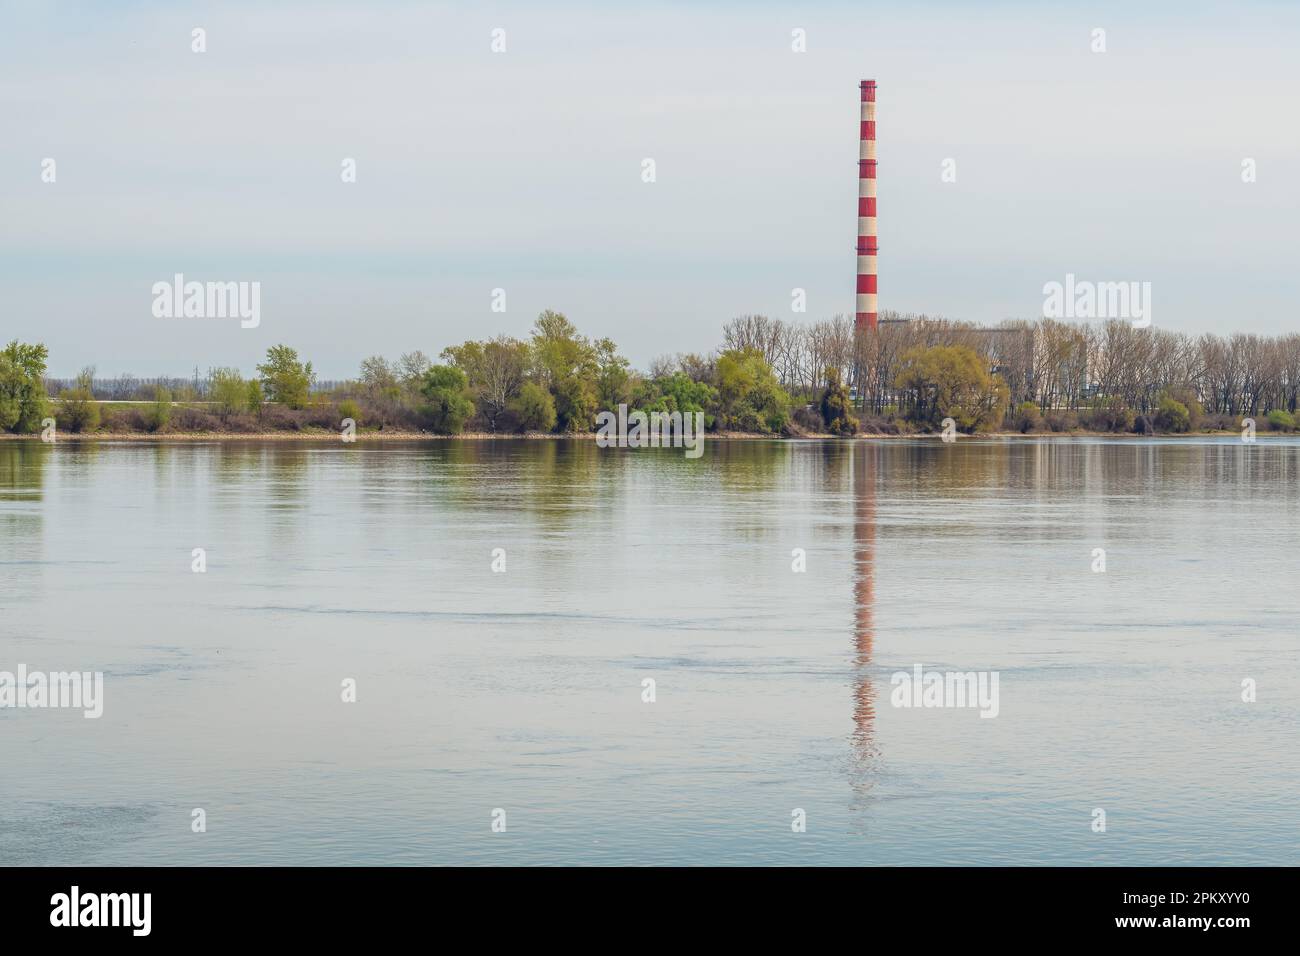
[863, 467]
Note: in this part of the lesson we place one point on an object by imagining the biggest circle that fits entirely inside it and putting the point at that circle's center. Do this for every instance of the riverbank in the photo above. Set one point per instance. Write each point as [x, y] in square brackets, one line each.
[408, 436]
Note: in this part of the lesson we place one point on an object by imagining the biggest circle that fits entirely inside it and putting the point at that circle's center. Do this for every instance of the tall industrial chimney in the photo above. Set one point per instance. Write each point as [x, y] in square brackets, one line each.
[866, 318]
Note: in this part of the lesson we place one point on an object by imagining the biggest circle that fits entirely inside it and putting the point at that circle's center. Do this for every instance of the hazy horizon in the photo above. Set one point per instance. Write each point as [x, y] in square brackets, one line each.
[522, 170]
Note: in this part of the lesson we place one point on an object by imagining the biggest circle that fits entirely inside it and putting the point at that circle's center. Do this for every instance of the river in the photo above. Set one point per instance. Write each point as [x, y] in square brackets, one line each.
[504, 611]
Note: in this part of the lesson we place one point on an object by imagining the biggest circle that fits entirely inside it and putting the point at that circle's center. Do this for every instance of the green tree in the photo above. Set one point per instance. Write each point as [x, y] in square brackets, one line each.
[253, 397]
[77, 410]
[1173, 416]
[496, 371]
[1188, 397]
[286, 380]
[613, 375]
[534, 407]
[23, 402]
[450, 404]
[160, 412]
[837, 411]
[227, 388]
[750, 398]
[952, 381]
[566, 363]
[677, 392]
[576, 404]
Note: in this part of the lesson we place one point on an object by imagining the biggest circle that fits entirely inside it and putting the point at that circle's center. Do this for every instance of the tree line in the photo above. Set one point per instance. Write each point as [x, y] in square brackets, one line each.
[767, 377]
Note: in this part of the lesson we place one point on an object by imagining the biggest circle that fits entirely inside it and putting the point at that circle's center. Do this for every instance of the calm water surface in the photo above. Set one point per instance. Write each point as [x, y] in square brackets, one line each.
[523, 690]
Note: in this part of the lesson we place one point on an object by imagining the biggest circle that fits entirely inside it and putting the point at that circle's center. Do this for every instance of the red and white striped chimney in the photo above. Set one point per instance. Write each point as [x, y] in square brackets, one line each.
[867, 209]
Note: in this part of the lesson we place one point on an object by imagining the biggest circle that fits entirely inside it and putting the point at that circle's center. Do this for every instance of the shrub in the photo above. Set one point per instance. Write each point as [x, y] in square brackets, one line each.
[809, 418]
[1109, 415]
[228, 391]
[77, 410]
[1173, 416]
[533, 408]
[1027, 418]
[1221, 421]
[876, 425]
[127, 419]
[835, 407]
[1187, 396]
[188, 418]
[450, 404]
[278, 418]
[160, 412]
[349, 409]
[1062, 421]
[1281, 421]
[254, 398]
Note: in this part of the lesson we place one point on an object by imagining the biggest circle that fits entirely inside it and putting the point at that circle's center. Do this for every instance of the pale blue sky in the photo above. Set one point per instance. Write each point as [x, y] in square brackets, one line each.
[522, 170]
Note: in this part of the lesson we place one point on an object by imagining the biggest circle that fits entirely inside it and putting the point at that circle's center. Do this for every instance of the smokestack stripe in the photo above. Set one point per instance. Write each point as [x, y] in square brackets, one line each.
[866, 290]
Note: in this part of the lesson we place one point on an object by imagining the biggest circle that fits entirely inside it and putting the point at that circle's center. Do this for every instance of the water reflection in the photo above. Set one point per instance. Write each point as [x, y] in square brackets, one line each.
[22, 481]
[865, 467]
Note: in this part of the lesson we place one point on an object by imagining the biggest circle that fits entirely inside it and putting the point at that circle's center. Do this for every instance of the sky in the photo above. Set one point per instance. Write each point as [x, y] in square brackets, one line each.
[522, 170]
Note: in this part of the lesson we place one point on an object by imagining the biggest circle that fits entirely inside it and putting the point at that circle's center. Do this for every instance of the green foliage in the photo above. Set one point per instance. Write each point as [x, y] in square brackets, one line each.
[286, 380]
[575, 404]
[77, 410]
[749, 396]
[450, 405]
[1027, 417]
[1188, 398]
[1172, 416]
[567, 364]
[534, 407]
[350, 409]
[228, 390]
[613, 375]
[253, 397]
[837, 411]
[159, 413]
[952, 381]
[23, 402]
[1280, 420]
[496, 371]
[677, 392]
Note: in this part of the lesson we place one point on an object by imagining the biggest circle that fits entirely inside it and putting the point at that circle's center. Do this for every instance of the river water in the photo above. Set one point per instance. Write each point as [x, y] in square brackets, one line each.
[519, 695]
